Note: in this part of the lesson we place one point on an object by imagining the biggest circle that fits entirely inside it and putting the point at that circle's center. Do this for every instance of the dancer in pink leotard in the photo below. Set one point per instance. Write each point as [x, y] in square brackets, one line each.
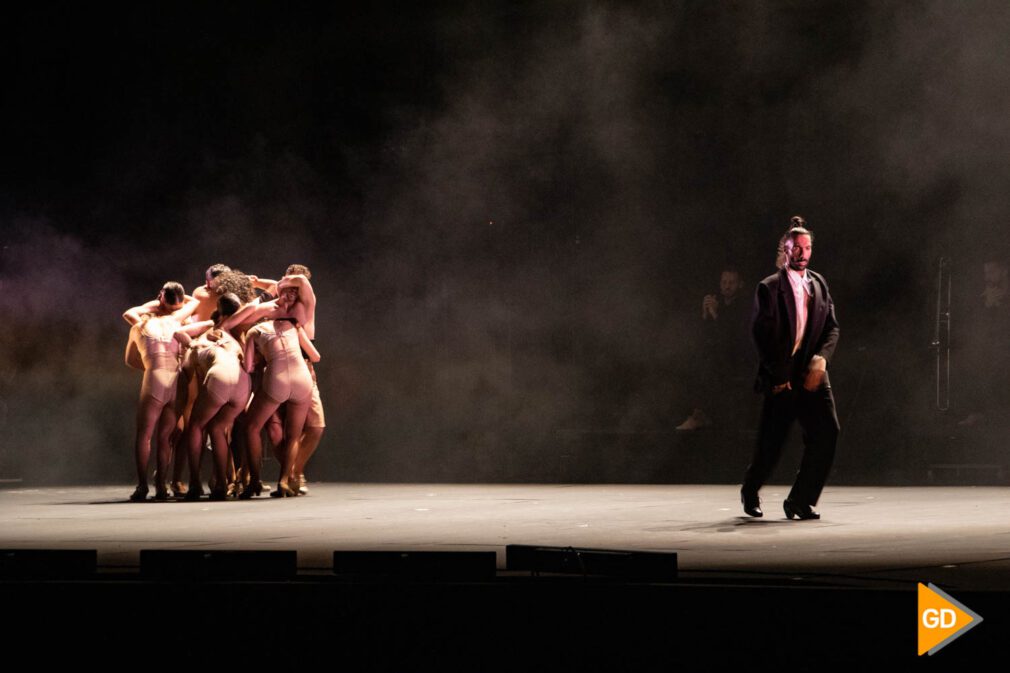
[224, 388]
[151, 337]
[285, 379]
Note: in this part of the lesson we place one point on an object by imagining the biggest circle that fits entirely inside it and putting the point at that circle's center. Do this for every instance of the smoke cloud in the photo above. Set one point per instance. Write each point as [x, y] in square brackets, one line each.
[511, 216]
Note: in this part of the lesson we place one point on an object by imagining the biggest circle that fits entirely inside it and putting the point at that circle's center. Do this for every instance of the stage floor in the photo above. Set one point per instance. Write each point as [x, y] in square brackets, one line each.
[958, 537]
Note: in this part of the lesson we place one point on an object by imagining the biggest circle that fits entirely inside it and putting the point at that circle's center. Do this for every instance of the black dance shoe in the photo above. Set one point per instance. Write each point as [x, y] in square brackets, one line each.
[798, 511]
[751, 504]
[251, 489]
[283, 491]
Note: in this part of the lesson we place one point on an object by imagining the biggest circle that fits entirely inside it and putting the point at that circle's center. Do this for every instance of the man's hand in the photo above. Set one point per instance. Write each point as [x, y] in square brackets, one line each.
[710, 307]
[815, 374]
[263, 283]
[781, 387]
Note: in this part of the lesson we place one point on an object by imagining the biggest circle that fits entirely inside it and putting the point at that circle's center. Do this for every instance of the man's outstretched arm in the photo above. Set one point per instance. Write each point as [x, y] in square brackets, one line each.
[253, 312]
[134, 315]
[305, 291]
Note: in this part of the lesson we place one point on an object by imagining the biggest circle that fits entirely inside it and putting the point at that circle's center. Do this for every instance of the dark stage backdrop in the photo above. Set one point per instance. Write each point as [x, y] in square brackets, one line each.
[511, 210]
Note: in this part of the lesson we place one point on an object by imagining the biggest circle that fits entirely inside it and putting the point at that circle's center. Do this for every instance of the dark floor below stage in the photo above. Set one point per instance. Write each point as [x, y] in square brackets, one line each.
[753, 594]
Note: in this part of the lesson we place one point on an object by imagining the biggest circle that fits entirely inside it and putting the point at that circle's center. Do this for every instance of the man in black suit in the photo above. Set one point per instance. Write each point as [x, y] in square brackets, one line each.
[796, 332]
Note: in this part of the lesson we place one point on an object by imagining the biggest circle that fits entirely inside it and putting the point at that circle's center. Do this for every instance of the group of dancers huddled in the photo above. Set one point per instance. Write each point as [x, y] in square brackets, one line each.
[223, 367]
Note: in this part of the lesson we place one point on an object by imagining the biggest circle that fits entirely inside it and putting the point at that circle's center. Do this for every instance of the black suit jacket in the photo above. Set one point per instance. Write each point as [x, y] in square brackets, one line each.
[774, 329]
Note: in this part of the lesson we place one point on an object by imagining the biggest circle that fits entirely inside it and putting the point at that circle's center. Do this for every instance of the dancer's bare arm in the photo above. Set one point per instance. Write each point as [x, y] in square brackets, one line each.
[264, 284]
[184, 335]
[306, 297]
[305, 291]
[308, 346]
[253, 312]
[187, 310]
[249, 359]
[132, 355]
[136, 314]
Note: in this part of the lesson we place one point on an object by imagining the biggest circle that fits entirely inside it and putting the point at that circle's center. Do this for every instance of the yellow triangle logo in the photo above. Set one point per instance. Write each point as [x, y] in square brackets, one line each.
[941, 619]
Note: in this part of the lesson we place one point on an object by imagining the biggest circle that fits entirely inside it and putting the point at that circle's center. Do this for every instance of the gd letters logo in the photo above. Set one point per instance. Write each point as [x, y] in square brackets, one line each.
[942, 619]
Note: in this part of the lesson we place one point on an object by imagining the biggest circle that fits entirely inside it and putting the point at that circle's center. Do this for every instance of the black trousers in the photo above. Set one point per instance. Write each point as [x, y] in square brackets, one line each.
[815, 412]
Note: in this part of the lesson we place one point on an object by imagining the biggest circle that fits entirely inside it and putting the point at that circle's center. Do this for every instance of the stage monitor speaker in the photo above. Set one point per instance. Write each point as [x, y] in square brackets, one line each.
[424, 566]
[185, 564]
[643, 566]
[48, 563]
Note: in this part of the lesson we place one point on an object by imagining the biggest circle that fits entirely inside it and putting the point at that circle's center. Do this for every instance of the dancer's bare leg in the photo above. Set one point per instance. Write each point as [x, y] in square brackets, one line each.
[148, 412]
[231, 467]
[294, 424]
[275, 432]
[240, 450]
[218, 430]
[308, 445]
[259, 411]
[185, 398]
[315, 424]
[178, 441]
[166, 425]
[204, 410]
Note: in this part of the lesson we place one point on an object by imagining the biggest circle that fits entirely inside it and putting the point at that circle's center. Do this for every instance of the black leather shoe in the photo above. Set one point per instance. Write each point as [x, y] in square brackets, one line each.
[751, 504]
[796, 510]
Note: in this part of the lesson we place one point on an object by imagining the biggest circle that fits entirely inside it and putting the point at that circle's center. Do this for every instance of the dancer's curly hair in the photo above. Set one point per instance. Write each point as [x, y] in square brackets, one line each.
[236, 283]
[215, 270]
[298, 270]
